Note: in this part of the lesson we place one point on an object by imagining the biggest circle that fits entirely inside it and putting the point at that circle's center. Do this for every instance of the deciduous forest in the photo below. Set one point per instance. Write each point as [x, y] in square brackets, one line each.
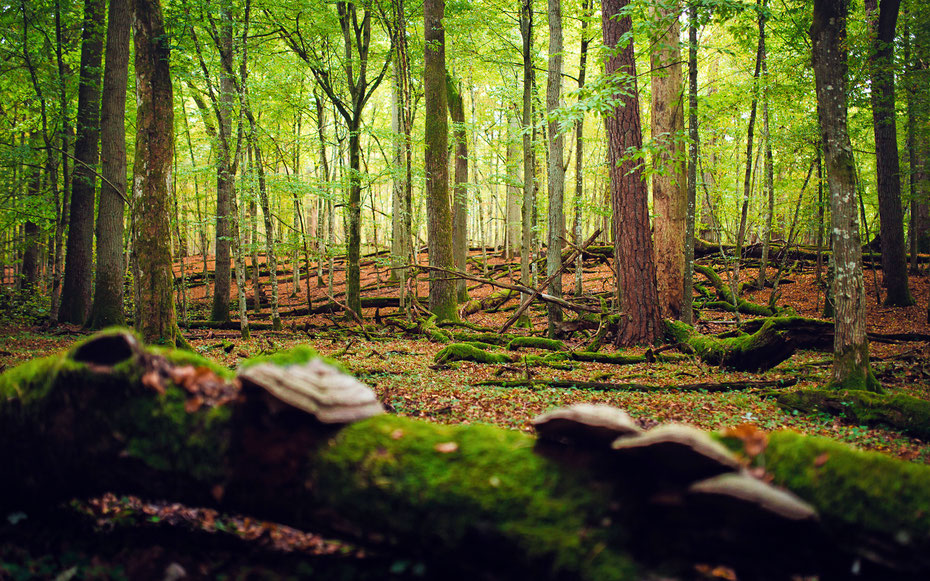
[477, 289]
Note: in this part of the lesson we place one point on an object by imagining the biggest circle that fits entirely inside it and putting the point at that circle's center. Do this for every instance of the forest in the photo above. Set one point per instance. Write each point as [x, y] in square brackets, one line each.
[478, 289]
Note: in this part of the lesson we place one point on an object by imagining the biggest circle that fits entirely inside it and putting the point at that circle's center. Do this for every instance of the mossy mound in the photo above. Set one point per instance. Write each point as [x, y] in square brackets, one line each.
[533, 507]
[467, 352]
[908, 414]
[536, 343]
[760, 351]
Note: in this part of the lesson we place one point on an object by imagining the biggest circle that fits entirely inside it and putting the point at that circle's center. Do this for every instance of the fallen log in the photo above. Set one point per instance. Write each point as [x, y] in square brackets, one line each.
[286, 442]
[904, 413]
[759, 351]
[610, 386]
[492, 301]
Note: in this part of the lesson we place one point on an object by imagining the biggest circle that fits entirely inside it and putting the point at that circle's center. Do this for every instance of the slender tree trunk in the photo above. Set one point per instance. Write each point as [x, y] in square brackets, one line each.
[513, 231]
[108, 290]
[225, 186]
[694, 136]
[460, 189]
[76, 291]
[633, 252]
[884, 17]
[63, 210]
[669, 180]
[768, 165]
[442, 301]
[851, 347]
[556, 170]
[529, 185]
[154, 310]
[579, 149]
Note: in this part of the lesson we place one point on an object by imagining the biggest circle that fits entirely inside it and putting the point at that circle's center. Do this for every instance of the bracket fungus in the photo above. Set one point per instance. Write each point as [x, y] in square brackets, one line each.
[315, 387]
[586, 423]
[677, 453]
[744, 491]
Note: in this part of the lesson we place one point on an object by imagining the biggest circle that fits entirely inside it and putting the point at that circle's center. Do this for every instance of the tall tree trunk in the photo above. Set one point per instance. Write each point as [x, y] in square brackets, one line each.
[884, 18]
[154, 311]
[460, 189]
[63, 210]
[851, 347]
[579, 148]
[694, 136]
[107, 308]
[401, 119]
[513, 232]
[669, 180]
[529, 184]
[442, 300]
[556, 170]
[633, 251]
[768, 165]
[76, 291]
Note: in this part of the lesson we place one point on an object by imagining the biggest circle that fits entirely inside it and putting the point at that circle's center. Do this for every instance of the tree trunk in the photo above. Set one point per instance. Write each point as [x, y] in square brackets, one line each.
[556, 174]
[154, 310]
[225, 184]
[884, 18]
[669, 180]
[76, 290]
[529, 186]
[768, 165]
[694, 136]
[402, 120]
[579, 148]
[513, 211]
[460, 190]
[107, 308]
[63, 210]
[633, 251]
[851, 347]
[442, 300]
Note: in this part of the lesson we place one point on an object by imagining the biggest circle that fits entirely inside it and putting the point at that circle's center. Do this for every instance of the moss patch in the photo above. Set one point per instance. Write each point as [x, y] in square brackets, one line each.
[435, 485]
[467, 352]
[536, 343]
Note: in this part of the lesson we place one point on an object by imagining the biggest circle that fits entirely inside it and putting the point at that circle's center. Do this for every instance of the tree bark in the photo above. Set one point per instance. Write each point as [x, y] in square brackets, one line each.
[154, 311]
[442, 301]
[851, 347]
[634, 259]
[76, 290]
[579, 147]
[687, 310]
[460, 190]
[768, 165]
[513, 215]
[526, 126]
[884, 18]
[669, 180]
[107, 307]
[556, 167]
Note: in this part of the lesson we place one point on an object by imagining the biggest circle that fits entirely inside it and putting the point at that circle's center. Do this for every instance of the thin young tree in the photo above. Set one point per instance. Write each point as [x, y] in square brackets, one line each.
[442, 301]
[579, 147]
[529, 183]
[694, 136]
[851, 346]
[640, 321]
[456, 106]
[107, 307]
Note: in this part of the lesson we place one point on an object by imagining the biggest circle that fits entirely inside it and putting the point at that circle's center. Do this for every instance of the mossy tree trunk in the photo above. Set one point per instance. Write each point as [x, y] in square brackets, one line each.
[442, 301]
[110, 416]
[556, 170]
[154, 315]
[851, 347]
[460, 190]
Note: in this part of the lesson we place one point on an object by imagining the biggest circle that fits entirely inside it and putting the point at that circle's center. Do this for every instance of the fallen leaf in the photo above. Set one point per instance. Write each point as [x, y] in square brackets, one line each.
[193, 404]
[397, 434]
[446, 447]
[152, 380]
[754, 440]
[821, 460]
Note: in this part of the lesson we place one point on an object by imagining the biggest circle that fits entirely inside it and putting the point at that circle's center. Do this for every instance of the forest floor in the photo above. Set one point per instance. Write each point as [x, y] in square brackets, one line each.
[402, 372]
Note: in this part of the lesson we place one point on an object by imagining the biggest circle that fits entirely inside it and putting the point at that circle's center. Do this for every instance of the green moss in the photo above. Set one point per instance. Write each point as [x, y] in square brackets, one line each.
[392, 472]
[466, 352]
[860, 493]
[480, 345]
[182, 357]
[295, 356]
[615, 358]
[857, 380]
[486, 337]
[536, 343]
[762, 350]
[908, 414]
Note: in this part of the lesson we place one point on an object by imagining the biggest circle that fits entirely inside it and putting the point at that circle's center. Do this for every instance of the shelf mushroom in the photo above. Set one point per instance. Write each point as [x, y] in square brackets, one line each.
[586, 423]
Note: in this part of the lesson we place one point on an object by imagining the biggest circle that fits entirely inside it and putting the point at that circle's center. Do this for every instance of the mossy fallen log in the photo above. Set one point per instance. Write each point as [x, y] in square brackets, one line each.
[611, 386]
[725, 296]
[536, 343]
[805, 333]
[467, 501]
[492, 301]
[469, 352]
[907, 414]
[759, 351]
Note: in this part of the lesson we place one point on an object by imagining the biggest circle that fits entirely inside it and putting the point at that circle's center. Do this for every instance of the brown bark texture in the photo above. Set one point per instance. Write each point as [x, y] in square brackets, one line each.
[154, 314]
[884, 18]
[556, 169]
[460, 190]
[633, 250]
[669, 181]
[107, 307]
[76, 289]
[850, 345]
